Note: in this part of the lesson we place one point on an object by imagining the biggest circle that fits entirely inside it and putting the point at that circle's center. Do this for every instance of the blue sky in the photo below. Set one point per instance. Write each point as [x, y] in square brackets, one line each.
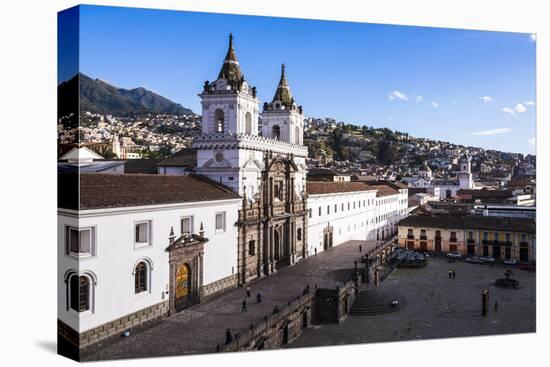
[468, 87]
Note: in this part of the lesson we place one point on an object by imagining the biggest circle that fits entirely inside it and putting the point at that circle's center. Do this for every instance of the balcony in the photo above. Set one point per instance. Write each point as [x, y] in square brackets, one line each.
[410, 237]
[453, 239]
[524, 244]
[471, 241]
[423, 238]
[438, 238]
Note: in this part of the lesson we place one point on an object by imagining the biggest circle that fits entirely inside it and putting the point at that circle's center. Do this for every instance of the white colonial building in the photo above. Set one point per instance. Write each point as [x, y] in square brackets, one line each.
[118, 249]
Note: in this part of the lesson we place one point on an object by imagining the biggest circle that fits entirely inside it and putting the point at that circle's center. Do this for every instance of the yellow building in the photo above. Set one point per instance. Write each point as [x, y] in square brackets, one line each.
[472, 235]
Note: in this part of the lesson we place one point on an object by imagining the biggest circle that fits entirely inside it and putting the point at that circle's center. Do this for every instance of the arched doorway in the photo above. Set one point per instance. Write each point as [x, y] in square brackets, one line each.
[183, 285]
[277, 243]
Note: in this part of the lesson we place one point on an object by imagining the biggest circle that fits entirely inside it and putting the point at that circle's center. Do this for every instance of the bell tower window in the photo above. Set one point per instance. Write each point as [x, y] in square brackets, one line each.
[276, 132]
[219, 121]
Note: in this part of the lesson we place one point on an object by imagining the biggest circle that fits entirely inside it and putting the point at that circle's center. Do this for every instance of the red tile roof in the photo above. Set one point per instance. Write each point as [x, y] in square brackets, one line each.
[318, 188]
[99, 191]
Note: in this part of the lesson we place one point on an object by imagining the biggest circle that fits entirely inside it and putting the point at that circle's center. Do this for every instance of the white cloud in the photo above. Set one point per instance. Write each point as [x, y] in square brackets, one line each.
[397, 95]
[435, 104]
[487, 99]
[529, 103]
[419, 98]
[533, 37]
[503, 130]
[508, 110]
[520, 108]
[532, 141]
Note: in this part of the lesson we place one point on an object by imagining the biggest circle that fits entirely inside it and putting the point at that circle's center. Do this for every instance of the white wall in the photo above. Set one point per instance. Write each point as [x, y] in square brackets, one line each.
[116, 255]
[348, 224]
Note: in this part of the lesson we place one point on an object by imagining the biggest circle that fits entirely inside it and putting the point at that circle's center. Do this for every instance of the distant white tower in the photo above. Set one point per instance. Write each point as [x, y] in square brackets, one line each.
[282, 119]
[425, 171]
[465, 179]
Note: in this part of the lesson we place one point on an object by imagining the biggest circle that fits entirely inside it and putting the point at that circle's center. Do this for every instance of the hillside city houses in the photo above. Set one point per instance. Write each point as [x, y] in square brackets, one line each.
[248, 188]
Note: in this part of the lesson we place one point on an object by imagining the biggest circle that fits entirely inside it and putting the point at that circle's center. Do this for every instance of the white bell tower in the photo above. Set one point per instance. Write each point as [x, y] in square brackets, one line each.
[230, 112]
[282, 119]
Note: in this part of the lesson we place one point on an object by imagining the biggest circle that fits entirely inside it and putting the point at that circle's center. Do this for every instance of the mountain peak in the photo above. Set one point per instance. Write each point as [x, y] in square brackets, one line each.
[99, 96]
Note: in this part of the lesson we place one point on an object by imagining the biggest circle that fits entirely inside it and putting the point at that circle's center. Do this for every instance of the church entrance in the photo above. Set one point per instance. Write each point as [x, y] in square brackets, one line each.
[183, 286]
[277, 244]
[186, 264]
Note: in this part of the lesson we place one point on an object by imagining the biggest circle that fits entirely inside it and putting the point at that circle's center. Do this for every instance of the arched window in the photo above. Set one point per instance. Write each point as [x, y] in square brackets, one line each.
[79, 293]
[297, 135]
[248, 123]
[140, 276]
[276, 132]
[219, 121]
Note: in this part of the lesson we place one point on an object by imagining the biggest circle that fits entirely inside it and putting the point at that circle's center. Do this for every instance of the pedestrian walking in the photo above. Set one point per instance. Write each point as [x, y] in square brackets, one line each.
[248, 291]
[496, 306]
[258, 298]
[450, 274]
[360, 248]
[228, 336]
[244, 306]
[315, 251]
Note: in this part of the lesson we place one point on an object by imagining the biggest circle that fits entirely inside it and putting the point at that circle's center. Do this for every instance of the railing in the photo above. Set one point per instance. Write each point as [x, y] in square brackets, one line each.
[246, 337]
[453, 239]
[471, 241]
[423, 238]
[410, 237]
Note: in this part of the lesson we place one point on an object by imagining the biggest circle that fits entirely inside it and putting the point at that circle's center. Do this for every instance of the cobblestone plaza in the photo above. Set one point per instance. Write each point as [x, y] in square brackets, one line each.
[438, 307]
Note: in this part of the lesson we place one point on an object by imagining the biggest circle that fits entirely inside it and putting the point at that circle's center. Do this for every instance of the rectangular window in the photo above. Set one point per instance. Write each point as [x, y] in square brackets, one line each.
[342, 206]
[335, 208]
[310, 212]
[79, 242]
[319, 211]
[142, 233]
[299, 234]
[220, 221]
[186, 225]
[252, 248]
[471, 235]
[328, 209]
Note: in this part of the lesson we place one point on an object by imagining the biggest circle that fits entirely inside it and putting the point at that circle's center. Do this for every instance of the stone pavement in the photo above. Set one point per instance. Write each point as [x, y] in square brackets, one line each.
[438, 307]
[200, 328]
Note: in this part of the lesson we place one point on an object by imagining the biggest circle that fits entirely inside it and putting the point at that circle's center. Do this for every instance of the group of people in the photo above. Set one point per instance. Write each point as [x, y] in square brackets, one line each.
[452, 274]
[248, 294]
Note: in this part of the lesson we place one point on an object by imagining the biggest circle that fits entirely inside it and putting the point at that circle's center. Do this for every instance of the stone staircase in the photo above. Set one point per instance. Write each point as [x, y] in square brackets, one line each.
[374, 302]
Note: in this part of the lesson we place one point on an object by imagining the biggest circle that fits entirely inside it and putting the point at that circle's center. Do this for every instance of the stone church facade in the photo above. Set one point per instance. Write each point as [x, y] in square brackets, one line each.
[267, 170]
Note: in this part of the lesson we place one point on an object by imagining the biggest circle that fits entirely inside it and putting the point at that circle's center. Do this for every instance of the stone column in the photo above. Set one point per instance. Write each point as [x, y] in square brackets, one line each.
[244, 256]
[260, 255]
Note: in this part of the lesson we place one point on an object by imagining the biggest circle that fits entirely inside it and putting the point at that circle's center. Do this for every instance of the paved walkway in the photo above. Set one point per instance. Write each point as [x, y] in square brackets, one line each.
[438, 307]
[200, 328]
